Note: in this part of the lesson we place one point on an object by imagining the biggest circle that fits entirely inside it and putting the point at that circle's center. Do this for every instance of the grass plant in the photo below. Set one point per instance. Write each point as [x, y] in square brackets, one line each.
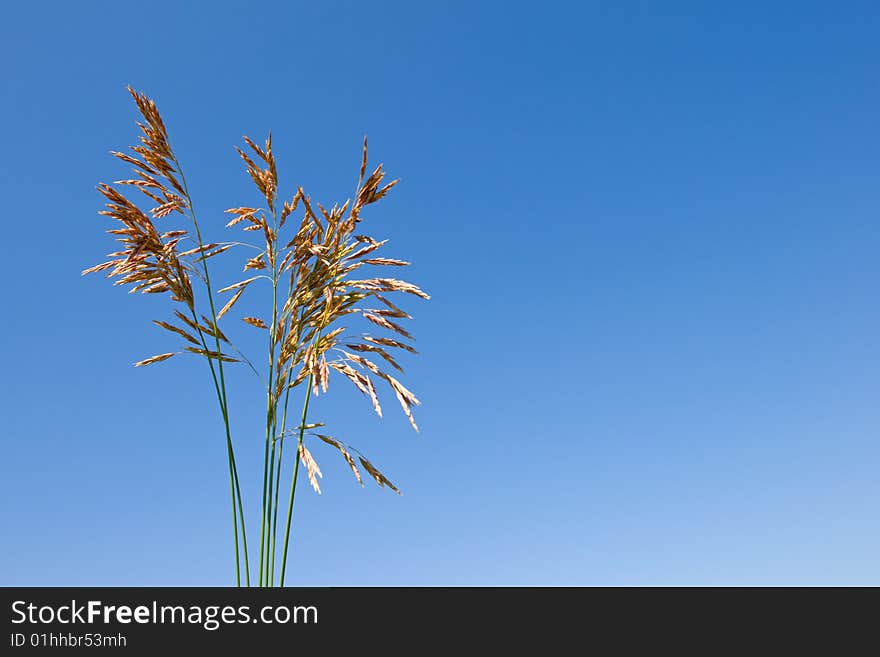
[315, 274]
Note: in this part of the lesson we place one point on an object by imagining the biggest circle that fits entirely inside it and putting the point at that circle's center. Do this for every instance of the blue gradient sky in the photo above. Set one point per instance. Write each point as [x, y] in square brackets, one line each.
[651, 235]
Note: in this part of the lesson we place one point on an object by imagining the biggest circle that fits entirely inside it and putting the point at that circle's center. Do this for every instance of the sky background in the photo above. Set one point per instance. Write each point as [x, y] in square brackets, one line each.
[649, 230]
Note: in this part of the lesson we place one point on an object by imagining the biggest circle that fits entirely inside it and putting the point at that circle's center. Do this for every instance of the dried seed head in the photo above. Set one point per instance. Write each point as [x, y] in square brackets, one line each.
[311, 467]
[153, 359]
[381, 479]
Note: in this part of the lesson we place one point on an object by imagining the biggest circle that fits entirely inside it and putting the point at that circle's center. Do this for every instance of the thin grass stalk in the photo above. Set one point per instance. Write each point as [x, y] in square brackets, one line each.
[271, 430]
[271, 419]
[302, 426]
[231, 460]
[269, 478]
[274, 522]
[270, 569]
[278, 479]
[272, 511]
[290, 288]
[221, 394]
[265, 480]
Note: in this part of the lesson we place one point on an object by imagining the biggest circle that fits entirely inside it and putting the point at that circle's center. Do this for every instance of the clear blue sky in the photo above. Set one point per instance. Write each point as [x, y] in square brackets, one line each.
[651, 235]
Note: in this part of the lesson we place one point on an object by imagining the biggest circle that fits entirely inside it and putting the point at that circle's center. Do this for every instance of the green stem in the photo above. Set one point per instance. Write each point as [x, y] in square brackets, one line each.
[265, 478]
[302, 425]
[274, 521]
[278, 479]
[271, 419]
[230, 458]
[220, 388]
[270, 574]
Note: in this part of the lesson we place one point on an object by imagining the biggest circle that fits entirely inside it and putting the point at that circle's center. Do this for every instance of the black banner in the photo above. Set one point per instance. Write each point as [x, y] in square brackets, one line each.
[408, 620]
